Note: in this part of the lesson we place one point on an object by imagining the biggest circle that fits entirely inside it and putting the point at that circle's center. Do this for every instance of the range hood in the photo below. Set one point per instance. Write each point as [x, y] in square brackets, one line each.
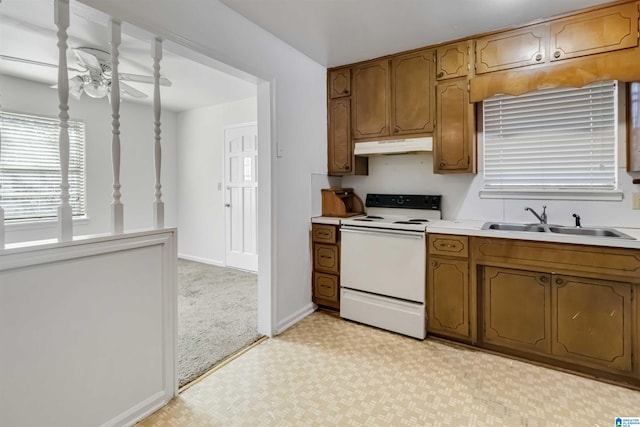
[396, 146]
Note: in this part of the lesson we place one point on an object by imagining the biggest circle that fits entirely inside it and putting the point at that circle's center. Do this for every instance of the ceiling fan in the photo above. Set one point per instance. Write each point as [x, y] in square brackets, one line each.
[95, 74]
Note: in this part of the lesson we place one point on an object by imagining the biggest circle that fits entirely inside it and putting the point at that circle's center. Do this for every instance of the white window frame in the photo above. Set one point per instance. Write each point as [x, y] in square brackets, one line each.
[612, 194]
[50, 128]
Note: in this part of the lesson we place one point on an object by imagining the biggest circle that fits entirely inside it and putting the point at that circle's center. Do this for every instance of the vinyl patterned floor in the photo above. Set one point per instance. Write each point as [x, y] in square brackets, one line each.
[326, 371]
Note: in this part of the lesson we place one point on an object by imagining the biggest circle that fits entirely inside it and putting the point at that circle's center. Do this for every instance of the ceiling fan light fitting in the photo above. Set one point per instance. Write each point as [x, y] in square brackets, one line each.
[96, 90]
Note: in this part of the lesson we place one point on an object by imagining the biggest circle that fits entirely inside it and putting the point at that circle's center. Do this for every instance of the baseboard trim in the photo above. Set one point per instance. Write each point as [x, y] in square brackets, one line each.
[202, 260]
[140, 411]
[291, 320]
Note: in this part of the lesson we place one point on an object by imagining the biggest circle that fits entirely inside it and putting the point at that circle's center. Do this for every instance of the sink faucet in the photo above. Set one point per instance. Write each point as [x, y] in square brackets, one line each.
[577, 217]
[542, 218]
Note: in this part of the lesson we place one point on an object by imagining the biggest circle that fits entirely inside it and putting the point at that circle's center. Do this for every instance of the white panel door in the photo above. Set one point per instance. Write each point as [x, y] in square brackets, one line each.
[241, 181]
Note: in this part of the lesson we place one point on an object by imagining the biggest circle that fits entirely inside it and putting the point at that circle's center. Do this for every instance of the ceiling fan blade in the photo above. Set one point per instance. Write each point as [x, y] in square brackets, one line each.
[32, 62]
[87, 59]
[125, 88]
[143, 79]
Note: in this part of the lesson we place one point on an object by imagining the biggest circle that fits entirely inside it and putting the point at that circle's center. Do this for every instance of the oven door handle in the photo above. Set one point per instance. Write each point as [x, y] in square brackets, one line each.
[398, 233]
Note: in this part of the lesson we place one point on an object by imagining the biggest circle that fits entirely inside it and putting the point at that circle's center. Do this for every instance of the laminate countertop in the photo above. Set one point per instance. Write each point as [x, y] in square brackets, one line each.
[474, 228]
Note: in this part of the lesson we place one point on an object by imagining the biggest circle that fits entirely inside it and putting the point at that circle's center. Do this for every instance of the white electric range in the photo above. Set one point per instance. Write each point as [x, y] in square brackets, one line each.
[383, 262]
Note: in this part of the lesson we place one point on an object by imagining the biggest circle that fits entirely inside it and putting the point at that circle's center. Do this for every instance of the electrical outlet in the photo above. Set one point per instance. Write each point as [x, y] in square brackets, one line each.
[635, 201]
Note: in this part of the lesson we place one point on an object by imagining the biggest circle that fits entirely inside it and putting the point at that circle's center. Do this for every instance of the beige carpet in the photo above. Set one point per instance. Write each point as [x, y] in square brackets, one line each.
[217, 316]
[325, 371]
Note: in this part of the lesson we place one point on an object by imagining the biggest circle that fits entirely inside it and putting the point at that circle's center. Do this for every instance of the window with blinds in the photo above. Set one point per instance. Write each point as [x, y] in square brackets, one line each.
[550, 140]
[30, 167]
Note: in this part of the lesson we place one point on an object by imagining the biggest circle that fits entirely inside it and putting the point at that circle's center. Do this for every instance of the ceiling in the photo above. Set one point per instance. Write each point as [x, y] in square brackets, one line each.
[339, 32]
[27, 31]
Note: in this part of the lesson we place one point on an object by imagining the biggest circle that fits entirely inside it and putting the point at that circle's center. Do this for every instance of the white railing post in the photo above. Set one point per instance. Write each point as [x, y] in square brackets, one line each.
[65, 222]
[117, 209]
[158, 204]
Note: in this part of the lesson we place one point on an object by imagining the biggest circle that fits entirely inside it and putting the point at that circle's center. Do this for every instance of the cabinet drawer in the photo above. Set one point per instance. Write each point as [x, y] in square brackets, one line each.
[325, 258]
[325, 287]
[444, 244]
[324, 233]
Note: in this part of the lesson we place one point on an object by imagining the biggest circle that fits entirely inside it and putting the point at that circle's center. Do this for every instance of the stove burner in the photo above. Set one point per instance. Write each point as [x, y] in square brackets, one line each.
[374, 217]
[419, 220]
[363, 219]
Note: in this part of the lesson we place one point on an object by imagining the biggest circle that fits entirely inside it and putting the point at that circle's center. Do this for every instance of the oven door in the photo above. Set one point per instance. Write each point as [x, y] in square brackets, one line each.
[384, 262]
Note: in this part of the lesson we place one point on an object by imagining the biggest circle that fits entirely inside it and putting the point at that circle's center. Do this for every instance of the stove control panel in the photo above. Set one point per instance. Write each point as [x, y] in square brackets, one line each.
[406, 201]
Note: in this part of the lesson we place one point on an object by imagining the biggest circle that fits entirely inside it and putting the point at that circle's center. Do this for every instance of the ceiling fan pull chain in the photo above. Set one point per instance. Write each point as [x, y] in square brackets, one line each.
[117, 208]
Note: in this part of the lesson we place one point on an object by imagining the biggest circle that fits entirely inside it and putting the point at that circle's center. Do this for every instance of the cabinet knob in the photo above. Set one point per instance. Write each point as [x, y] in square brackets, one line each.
[345, 91]
[347, 167]
[440, 74]
[442, 165]
[559, 281]
[434, 264]
[556, 54]
[539, 57]
[396, 129]
[543, 279]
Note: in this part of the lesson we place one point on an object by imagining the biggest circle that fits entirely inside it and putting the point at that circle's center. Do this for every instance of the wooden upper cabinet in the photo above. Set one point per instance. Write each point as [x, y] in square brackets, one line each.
[453, 60]
[454, 144]
[371, 94]
[412, 93]
[511, 49]
[340, 83]
[340, 147]
[599, 31]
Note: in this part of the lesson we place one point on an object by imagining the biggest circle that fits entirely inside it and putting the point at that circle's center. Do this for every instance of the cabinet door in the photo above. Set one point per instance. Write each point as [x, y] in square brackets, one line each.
[592, 322]
[452, 60]
[594, 32]
[340, 148]
[454, 144]
[325, 258]
[516, 309]
[412, 93]
[339, 83]
[448, 297]
[511, 49]
[371, 95]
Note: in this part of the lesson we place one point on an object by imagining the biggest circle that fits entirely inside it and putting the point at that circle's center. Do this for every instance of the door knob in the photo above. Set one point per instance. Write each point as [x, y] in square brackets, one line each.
[228, 205]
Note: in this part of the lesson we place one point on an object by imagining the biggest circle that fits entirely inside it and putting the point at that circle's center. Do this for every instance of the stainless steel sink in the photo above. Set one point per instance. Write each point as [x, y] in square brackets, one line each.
[559, 229]
[588, 231]
[514, 227]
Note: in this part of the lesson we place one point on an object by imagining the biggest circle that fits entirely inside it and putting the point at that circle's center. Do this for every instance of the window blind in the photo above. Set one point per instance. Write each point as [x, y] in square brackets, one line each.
[30, 167]
[554, 139]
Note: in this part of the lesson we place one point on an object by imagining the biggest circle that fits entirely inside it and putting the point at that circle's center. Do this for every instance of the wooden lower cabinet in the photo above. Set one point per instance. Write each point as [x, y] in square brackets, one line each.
[571, 306]
[592, 322]
[448, 297]
[325, 282]
[516, 309]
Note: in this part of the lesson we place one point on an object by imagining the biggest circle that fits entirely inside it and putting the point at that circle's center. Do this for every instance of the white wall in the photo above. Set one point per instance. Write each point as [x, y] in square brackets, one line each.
[88, 330]
[298, 127]
[201, 168]
[412, 174]
[137, 175]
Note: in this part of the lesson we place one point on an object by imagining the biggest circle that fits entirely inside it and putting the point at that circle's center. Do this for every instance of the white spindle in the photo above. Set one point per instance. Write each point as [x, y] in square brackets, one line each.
[61, 18]
[158, 204]
[117, 209]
